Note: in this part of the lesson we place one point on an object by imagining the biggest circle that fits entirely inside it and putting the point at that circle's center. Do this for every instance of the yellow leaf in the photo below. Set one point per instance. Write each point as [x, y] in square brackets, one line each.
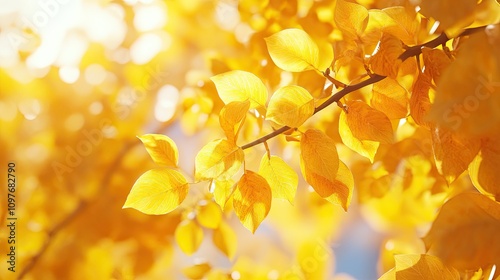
[416, 267]
[319, 161]
[294, 50]
[197, 271]
[435, 61]
[209, 214]
[252, 200]
[240, 86]
[483, 170]
[157, 192]
[453, 152]
[420, 103]
[449, 13]
[290, 106]
[161, 148]
[363, 128]
[404, 24]
[391, 98]
[281, 178]
[351, 18]
[344, 186]
[222, 192]
[218, 159]
[385, 61]
[465, 232]
[188, 236]
[231, 118]
[225, 239]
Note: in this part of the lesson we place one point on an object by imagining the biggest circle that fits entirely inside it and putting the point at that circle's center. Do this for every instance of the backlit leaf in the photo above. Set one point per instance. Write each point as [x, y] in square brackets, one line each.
[293, 50]
[209, 214]
[252, 200]
[240, 86]
[197, 271]
[436, 61]
[469, 223]
[231, 118]
[225, 239]
[161, 148]
[222, 192]
[189, 236]
[319, 161]
[351, 18]
[218, 159]
[344, 187]
[391, 98]
[449, 13]
[453, 152]
[469, 103]
[158, 191]
[385, 61]
[290, 106]
[281, 178]
[483, 170]
[413, 267]
[420, 103]
[363, 128]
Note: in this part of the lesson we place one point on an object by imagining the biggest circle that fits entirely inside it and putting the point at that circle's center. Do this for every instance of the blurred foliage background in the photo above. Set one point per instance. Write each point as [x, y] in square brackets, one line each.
[80, 79]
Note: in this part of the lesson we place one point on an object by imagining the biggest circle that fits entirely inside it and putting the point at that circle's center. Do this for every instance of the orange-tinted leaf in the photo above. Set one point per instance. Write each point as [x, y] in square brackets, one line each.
[449, 13]
[290, 106]
[453, 152]
[319, 161]
[483, 170]
[413, 267]
[344, 187]
[161, 148]
[252, 200]
[281, 178]
[385, 61]
[465, 232]
[218, 159]
[390, 98]
[435, 61]
[231, 118]
[188, 236]
[469, 103]
[225, 239]
[351, 18]
[158, 191]
[363, 128]
[420, 103]
[209, 214]
[240, 86]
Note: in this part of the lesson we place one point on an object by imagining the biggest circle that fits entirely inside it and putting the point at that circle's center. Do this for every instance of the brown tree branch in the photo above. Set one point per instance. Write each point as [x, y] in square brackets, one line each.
[410, 52]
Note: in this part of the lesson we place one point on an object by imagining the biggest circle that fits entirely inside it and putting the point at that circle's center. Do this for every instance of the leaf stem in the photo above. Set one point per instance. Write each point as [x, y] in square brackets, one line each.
[411, 51]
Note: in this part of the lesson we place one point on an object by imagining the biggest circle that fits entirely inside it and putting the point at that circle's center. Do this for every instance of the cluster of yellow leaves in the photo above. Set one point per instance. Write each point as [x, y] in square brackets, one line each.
[160, 190]
[423, 124]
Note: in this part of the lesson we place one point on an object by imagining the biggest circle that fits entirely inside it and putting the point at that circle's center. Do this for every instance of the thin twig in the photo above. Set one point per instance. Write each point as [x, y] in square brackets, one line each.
[411, 51]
